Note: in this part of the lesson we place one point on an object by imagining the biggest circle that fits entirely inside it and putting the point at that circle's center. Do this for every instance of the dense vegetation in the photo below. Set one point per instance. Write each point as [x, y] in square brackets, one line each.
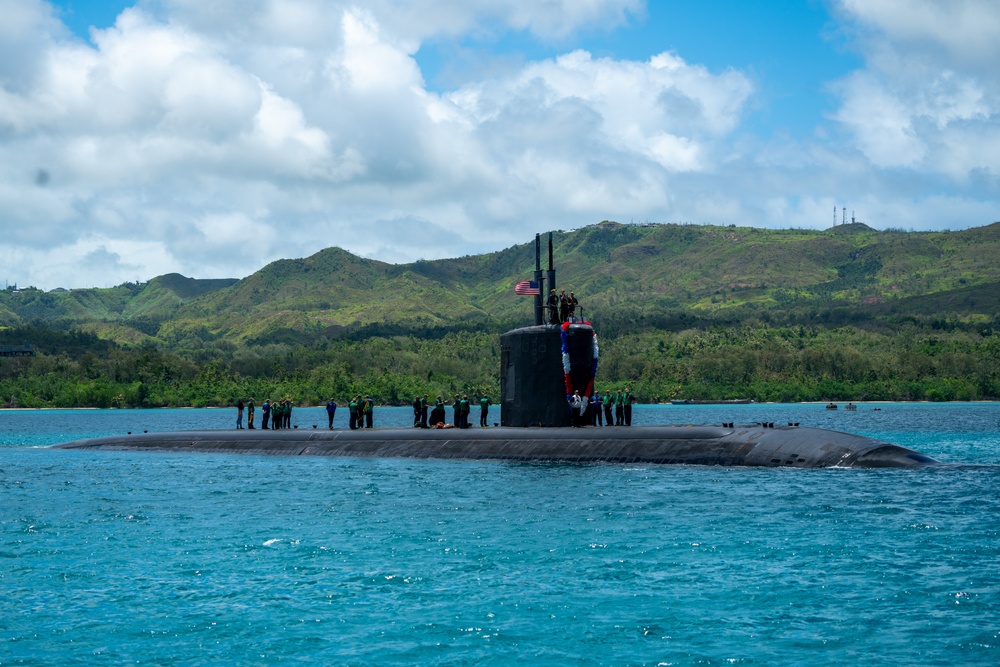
[681, 311]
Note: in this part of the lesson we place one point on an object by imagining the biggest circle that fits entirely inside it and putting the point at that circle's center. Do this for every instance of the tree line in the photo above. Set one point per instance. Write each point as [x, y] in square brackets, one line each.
[813, 360]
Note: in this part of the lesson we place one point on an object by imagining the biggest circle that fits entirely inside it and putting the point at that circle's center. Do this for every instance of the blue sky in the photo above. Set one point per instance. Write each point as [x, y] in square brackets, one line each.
[143, 138]
[791, 49]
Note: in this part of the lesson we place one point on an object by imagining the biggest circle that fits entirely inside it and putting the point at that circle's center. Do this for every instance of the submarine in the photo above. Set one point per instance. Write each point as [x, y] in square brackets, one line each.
[541, 368]
[713, 445]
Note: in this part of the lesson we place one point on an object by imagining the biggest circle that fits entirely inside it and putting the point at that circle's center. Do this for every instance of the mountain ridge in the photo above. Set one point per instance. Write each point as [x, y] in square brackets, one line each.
[615, 268]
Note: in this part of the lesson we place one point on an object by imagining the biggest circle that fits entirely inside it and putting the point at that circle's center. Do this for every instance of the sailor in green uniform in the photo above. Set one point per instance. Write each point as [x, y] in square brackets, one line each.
[627, 400]
[369, 411]
[353, 408]
[466, 409]
[438, 414]
[484, 409]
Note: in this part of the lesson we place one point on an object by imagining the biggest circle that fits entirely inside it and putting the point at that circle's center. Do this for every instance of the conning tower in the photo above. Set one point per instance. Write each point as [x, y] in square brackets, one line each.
[542, 365]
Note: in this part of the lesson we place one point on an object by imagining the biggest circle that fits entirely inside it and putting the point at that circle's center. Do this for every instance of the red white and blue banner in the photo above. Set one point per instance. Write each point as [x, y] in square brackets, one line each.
[588, 386]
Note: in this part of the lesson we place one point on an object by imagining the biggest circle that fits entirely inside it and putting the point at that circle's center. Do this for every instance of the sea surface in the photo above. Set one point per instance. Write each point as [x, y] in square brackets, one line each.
[114, 558]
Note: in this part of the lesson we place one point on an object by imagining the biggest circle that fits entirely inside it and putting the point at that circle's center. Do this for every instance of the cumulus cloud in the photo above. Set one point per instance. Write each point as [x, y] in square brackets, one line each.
[928, 98]
[212, 138]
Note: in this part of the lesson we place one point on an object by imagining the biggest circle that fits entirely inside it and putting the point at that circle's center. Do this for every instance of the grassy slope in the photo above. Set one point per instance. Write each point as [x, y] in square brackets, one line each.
[612, 267]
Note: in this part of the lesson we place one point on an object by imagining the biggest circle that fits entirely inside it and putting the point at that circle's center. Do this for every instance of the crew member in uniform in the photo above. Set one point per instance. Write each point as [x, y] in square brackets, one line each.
[578, 406]
[484, 408]
[369, 409]
[627, 400]
[276, 415]
[353, 407]
[553, 304]
[466, 409]
[437, 414]
[331, 410]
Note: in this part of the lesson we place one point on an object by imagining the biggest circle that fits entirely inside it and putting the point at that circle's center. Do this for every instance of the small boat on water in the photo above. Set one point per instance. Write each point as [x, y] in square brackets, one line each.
[831, 406]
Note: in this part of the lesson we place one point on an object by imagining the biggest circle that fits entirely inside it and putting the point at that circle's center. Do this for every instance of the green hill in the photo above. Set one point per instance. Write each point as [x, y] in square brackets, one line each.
[617, 270]
[690, 311]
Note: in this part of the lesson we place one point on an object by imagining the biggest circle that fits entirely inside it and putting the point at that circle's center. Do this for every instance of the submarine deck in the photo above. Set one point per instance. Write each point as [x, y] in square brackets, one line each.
[737, 445]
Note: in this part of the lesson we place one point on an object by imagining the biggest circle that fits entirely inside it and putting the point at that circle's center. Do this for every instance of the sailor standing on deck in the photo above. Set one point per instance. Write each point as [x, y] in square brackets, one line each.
[484, 409]
[369, 410]
[578, 405]
[239, 413]
[553, 305]
[265, 413]
[250, 409]
[331, 410]
[277, 415]
[627, 400]
[437, 414]
[466, 409]
[353, 407]
[423, 411]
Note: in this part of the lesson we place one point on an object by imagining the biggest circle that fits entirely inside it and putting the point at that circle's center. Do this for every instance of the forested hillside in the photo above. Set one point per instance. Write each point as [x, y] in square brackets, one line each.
[682, 311]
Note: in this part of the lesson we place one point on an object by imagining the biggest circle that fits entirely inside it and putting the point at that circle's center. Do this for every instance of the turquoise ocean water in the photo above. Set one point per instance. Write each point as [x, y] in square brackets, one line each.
[110, 558]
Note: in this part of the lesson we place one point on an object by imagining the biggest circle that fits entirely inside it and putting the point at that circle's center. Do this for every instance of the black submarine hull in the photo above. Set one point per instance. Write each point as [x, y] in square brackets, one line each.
[738, 445]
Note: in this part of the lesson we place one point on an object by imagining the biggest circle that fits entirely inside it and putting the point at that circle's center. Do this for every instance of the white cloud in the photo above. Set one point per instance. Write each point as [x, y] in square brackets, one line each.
[928, 96]
[26, 33]
[612, 105]
[966, 31]
[212, 138]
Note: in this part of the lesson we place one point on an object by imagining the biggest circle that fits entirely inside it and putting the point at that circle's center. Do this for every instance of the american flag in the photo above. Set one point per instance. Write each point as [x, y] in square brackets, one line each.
[527, 288]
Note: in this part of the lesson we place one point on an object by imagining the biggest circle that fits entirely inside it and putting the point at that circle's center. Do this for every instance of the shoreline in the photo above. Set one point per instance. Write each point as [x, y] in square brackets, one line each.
[675, 405]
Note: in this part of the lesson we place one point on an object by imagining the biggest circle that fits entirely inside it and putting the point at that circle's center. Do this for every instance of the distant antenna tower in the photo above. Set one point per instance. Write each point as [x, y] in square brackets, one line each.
[844, 220]
[834, 215]
[852, 217]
